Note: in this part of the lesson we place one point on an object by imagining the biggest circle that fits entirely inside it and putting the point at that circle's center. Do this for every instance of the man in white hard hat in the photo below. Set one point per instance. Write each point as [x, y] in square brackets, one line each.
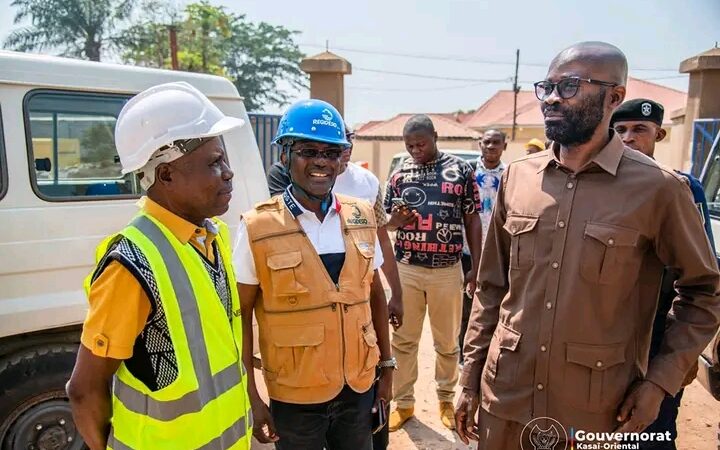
[163, 323]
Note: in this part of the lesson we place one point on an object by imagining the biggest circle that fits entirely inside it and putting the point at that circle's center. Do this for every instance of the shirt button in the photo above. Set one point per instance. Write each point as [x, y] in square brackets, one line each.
[543, 348]
[561, 224]
[570, 185]
[548, 305]
[611, 241]
[555, 265]
[572, 175]
[598, 364]
[540, 387]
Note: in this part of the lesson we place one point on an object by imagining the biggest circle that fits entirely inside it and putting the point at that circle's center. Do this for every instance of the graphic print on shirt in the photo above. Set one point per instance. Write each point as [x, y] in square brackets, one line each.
[488, 182]
[441, 191]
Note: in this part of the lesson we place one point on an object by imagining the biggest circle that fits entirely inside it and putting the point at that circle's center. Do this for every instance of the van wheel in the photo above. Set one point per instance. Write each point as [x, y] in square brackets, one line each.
[34, 410]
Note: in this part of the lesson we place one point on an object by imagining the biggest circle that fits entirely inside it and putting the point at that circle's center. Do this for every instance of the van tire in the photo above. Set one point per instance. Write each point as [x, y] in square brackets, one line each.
[34, 409]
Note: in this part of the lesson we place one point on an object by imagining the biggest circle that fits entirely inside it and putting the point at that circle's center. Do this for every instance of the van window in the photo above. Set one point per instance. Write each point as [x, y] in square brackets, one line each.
[711, 183]
[3, 163]
[72, 146]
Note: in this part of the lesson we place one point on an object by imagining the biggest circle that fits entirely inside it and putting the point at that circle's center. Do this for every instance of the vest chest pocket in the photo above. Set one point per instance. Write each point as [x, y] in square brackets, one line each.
[298, 355]
[286, 289]
[609, 253]
[522, 230]
[367, 253]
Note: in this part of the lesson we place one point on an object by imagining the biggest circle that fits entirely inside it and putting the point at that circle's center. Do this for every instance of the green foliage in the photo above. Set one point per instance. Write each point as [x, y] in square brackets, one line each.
[78, 28]
[255, 57]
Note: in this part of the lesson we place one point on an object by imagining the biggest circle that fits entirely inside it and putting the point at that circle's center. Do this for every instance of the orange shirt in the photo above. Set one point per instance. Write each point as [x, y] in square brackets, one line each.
[119, 306]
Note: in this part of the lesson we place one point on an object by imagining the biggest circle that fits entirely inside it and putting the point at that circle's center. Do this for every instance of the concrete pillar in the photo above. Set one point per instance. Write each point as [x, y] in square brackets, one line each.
[703, 91]
[327, 78]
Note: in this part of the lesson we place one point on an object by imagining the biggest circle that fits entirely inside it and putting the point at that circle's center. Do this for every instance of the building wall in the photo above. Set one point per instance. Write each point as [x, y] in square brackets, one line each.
[379, 154]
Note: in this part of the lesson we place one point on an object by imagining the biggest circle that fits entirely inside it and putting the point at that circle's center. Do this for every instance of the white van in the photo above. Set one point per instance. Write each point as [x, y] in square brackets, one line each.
[61, 192]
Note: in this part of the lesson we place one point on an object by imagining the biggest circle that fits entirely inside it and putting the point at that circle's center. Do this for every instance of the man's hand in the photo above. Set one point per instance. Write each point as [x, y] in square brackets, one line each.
[263, 425]
[395, 310]
[470, 283]
[402, 216]
[640, 408]
[384, 388]
[465, 411]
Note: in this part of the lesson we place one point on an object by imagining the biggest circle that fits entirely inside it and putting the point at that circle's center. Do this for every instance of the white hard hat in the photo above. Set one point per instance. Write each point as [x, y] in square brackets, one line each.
[161, 115]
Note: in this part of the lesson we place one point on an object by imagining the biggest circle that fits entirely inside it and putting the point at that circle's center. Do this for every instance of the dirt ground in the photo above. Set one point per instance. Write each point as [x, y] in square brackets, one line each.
[698, 424]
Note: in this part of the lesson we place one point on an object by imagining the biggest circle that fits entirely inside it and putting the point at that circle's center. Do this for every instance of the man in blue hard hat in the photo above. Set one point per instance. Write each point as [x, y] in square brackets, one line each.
[307, 265]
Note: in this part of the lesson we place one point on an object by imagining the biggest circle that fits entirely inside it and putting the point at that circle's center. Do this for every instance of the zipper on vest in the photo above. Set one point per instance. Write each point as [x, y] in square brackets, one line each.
[342, 327]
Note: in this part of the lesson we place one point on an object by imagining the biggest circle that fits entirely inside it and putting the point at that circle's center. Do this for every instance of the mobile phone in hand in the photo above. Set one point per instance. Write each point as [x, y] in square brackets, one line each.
[379, 417]
[399, 203]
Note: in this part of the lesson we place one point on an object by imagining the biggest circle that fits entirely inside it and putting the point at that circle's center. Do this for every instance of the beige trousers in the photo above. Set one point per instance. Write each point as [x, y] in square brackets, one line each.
[439, 291]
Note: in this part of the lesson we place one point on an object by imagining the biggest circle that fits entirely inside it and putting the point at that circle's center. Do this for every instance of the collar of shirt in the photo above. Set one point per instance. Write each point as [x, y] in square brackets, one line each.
[608, 158]
[183, 230]
[481, 166]
[297, 209]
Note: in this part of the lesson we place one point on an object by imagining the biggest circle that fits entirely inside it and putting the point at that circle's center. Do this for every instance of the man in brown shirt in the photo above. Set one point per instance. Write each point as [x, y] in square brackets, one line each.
[558, 328]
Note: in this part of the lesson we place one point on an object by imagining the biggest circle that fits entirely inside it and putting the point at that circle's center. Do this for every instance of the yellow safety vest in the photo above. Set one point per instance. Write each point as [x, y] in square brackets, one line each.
[206, 407]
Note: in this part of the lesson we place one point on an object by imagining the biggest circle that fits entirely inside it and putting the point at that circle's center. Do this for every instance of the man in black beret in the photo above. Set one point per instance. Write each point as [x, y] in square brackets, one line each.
[638, 123]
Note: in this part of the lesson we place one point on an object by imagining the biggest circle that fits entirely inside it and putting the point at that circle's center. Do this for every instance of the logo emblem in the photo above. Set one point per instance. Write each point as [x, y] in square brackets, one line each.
[646, 109]
[326, 114]
[357, 217]
[543, 433]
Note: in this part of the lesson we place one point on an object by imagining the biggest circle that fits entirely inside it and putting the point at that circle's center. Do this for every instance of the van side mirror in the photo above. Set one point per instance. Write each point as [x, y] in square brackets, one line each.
[43, 164]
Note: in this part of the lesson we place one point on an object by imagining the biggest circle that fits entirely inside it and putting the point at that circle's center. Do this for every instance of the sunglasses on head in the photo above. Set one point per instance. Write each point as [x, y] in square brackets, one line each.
[566, 88]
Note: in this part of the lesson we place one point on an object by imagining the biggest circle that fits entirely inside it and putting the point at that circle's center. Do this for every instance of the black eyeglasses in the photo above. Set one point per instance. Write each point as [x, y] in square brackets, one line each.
[566, 88]
[312, 153]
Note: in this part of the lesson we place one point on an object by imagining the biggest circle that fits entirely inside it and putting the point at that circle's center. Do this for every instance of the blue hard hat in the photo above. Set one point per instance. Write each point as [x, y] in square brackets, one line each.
[314, 120]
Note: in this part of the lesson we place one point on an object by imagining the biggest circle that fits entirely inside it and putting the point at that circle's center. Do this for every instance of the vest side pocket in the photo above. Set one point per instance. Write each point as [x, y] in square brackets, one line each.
[298, 355]
[369, 354]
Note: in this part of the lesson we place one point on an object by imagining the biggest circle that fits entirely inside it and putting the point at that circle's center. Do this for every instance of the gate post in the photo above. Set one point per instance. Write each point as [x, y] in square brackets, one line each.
[327, 78]
[703, 92]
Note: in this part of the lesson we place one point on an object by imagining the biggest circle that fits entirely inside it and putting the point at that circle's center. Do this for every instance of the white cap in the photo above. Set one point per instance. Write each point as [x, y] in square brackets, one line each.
[162, 114]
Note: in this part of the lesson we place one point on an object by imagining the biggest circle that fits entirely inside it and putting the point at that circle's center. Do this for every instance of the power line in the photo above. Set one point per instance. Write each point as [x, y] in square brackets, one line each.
[433, 77]
[425, 89]
[458, 58]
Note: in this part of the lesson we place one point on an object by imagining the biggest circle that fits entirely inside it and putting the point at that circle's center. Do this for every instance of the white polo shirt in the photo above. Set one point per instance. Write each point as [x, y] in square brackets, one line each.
[357, 182]
[326, 237]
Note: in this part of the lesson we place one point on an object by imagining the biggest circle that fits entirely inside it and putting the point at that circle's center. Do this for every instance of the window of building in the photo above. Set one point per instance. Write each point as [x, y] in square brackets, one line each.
[71, 146]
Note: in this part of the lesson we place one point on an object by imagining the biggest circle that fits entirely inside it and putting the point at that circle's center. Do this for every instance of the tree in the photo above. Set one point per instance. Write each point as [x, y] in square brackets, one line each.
[78, 28]
[255, 57]
[260, 55]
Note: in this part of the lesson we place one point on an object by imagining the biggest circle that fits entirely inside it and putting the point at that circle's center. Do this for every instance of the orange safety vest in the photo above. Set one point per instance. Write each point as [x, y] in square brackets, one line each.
[315, 336]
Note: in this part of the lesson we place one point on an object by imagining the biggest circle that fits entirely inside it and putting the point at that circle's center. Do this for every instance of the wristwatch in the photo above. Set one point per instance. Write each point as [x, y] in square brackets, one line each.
[392, 362]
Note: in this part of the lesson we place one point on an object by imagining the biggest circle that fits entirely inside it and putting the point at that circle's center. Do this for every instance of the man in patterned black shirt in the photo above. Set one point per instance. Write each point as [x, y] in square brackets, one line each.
[431, 198]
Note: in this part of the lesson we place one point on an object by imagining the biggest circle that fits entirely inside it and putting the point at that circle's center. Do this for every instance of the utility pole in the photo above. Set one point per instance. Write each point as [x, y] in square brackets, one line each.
[516, 89]
[173, 46]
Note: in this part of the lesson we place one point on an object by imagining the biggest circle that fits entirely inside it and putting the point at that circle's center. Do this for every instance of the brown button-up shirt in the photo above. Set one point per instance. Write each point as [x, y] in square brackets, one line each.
[568, 286]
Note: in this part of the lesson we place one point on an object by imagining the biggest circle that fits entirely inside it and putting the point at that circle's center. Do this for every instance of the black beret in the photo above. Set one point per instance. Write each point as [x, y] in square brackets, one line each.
[639, 109]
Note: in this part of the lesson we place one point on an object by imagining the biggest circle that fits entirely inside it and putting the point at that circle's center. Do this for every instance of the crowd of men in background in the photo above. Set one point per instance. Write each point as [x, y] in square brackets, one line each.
[577, 283]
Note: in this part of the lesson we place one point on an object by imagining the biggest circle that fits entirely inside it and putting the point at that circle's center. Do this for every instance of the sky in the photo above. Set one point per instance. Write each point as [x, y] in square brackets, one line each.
[466, 48]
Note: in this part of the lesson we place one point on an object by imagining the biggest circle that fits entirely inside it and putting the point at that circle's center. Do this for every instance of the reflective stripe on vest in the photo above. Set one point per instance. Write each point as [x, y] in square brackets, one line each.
[210, 387]
[226, 440]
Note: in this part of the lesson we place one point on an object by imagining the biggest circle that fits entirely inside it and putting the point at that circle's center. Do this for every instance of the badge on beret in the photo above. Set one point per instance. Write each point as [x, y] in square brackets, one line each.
[646, 109]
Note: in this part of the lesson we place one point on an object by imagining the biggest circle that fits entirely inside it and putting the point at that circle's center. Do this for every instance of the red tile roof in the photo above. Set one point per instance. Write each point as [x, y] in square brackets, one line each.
[497, 111]
[446, 128]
